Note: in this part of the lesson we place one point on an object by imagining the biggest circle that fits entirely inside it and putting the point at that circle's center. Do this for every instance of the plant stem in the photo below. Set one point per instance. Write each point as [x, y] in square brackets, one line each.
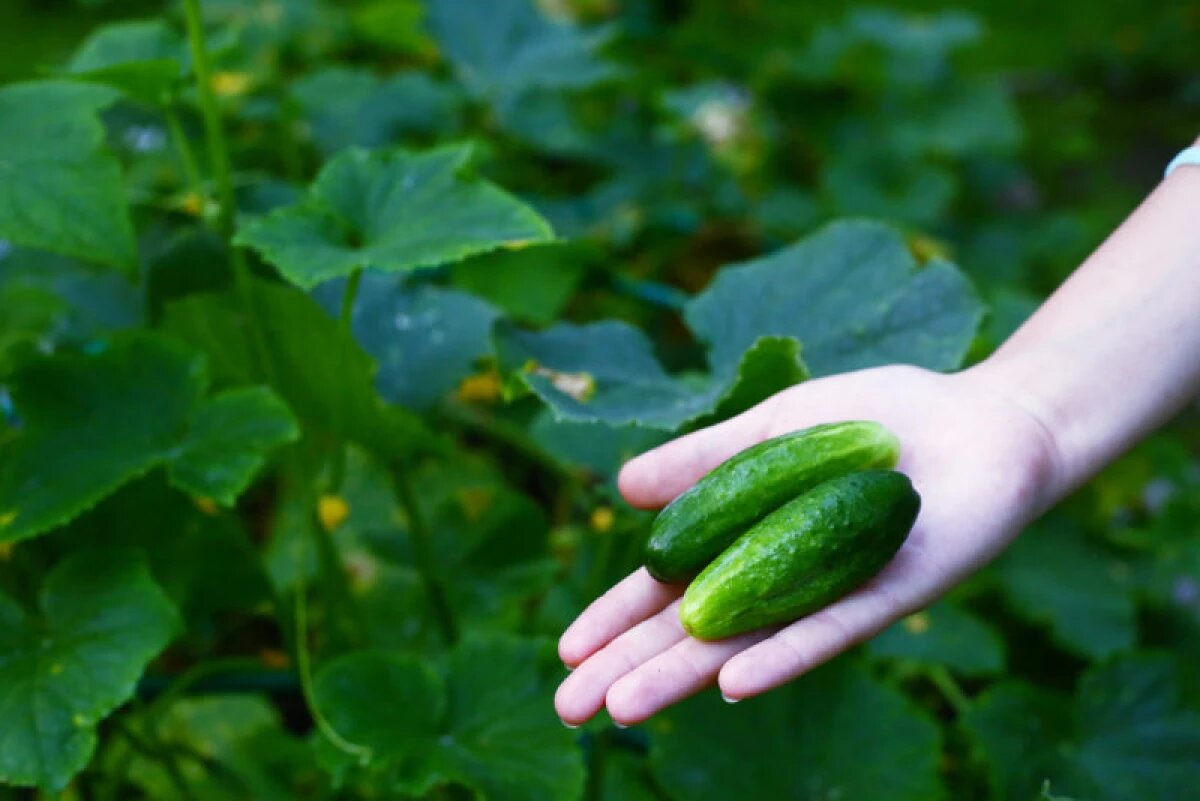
[304, 666]
[218, 149]
[222, 170]
[337, 473]
[422, 544]
[949, 688]
[187, 157]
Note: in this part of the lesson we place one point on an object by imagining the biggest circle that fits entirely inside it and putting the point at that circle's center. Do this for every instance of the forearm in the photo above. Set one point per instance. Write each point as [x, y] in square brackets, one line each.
[1115, 351]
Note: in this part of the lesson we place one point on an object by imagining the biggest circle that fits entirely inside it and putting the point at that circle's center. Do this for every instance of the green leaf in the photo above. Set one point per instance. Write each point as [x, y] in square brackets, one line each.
[60, 187]
[626, 777]
[348, 107]
[503, 47]
[89, 424]
[597, 447]
[1058, 578]
[1129, 736]
[606, 372]
[143, 59]
[483, 720]
[230, 437]
[533, 284]
[835, 733]
[203, 559]
[391, 211]
[56, 301]
[425, 339]
[854, 296]
[246, 752]
[945, 634]
[393, 24]
[324, 377]
[101, 618]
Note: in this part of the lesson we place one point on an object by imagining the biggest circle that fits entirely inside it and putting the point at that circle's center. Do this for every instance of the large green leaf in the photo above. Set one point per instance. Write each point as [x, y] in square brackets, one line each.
[1056, 577]
[143, 59]
[325, 377]
[533, 284]
[503, 47]
[90, 423]
[101, 618]
[53, 301]
[425, 339]
[60, 187]
[230, 437]
[1128, 737]
[348, 107]
[945, 634]
[391, 211]
[483, 720]
[204, 559]
[852, 293]
[606, 372]
[835, 733]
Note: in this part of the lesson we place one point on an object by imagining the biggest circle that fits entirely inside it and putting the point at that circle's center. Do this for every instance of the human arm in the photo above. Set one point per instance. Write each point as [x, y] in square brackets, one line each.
[1111, 355]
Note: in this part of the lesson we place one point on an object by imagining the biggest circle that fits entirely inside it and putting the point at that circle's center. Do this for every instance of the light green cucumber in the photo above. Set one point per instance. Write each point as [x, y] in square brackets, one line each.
[803, 556]
[701, 522]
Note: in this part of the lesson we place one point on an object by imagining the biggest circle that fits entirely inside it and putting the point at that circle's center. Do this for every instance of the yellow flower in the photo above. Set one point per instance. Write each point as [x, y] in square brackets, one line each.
[918, 623]
[481, 388]
[206, 505]
[231, 84]
[602, 519]
[332, 511]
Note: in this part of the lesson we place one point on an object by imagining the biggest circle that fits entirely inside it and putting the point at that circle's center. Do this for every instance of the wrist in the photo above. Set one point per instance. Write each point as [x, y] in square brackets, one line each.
[1053, 468]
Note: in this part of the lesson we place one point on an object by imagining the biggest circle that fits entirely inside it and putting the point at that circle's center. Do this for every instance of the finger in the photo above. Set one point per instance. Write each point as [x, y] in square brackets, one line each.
[656, 477]
[635, 598]
[793, 650]
[686, 668]
[582, 693]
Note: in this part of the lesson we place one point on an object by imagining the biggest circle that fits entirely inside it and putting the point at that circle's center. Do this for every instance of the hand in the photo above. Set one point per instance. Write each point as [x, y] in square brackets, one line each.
[984, 465]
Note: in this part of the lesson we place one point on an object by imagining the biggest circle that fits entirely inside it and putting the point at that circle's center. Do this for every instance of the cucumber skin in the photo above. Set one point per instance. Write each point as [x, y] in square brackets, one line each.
[690, 531]
[803, 556]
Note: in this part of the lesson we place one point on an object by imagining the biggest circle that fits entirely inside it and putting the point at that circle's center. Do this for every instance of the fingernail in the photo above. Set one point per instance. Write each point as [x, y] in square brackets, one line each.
[729, 700]
[570, 725]
[620, 725]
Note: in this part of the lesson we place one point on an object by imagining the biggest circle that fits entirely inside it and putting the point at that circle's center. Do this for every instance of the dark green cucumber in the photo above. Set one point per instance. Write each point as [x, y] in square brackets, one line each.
[701, 522]
[803, 556]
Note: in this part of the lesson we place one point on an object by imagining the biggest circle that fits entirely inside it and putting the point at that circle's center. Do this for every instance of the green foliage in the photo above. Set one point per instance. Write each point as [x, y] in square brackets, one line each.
[62, 189]
[297, 381]
[391, 211]
[815, 739]
[1127, 736]
[92, 423]
[946, 635]
[481, 720]
[100, 619]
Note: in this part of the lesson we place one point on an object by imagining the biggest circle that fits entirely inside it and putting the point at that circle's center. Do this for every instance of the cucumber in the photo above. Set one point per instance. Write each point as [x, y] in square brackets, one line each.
[803, 556]
[705, 519]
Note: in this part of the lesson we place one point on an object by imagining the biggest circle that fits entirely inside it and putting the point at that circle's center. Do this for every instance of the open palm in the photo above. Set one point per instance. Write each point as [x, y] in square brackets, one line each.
[982, 463]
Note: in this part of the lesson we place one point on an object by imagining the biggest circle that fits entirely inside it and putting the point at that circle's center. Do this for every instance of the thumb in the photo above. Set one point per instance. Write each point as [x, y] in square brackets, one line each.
[656, 477]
